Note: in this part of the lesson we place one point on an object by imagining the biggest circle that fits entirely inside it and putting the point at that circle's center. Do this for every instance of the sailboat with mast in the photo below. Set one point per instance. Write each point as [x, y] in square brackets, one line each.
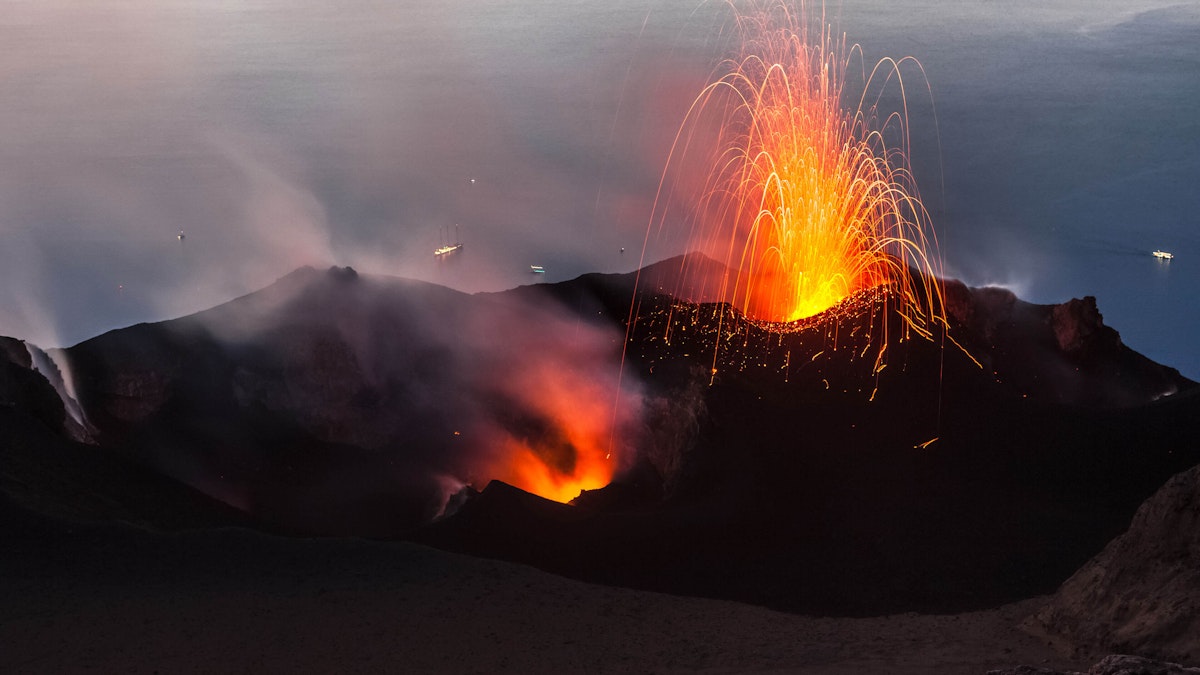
[447, 248]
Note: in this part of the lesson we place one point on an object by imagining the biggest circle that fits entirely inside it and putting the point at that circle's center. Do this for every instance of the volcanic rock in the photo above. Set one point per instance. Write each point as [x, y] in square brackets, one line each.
[639, 487]
[1062, 353]
[1115, 664]
[1032, 670]
[1141, 594]
[45, 469]
[1078, 324]
[24, 388]
[325, 388]
[933, 485]
[804, 469]
[1122, 664]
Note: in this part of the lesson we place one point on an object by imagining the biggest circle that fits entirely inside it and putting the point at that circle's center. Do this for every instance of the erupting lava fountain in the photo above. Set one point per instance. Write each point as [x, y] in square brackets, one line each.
[804, 201]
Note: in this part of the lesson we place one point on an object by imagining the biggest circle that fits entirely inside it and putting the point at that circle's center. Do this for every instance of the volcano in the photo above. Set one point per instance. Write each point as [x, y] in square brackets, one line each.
[784, 468]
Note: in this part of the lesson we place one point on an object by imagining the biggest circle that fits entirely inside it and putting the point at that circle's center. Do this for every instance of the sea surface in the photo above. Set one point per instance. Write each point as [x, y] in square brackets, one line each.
[1055, 147]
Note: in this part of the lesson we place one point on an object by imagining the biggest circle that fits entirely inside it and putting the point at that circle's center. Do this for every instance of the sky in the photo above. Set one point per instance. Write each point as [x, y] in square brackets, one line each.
[1055, 145]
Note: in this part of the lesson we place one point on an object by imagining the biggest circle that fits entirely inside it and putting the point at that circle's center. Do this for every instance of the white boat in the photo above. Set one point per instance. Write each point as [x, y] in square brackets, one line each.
[537, 269]
[1163, 255]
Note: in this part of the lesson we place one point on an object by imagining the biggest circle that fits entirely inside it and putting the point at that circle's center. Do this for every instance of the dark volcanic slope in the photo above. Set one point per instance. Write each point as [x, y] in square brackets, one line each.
[799, 474]
[317, 404]
[44, 470]
[1140, 595]
[803, 485]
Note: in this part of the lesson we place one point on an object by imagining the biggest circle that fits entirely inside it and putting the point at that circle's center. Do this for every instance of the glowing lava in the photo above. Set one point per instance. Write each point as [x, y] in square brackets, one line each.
[553, 435]
[532, 473]
[566, 453]
[805, 202]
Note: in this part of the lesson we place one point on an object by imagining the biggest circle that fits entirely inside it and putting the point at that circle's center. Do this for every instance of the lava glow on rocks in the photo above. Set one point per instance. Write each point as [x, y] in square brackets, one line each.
[804, 202]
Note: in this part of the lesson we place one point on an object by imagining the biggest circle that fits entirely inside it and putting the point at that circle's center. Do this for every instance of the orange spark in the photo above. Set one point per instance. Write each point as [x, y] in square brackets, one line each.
[804, 200]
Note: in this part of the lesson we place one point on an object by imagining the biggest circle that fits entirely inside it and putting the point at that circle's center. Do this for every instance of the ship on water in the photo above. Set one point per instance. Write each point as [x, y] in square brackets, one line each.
[448, 248]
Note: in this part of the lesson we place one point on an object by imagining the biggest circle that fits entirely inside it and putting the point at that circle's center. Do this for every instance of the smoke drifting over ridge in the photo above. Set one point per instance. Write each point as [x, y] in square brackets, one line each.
[376, 396]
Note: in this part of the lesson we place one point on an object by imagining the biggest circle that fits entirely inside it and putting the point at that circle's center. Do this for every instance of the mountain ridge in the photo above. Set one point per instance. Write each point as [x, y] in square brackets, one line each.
[779, 468]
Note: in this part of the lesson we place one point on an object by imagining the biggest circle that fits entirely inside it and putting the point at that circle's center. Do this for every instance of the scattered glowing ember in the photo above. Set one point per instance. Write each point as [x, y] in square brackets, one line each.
[805, 203]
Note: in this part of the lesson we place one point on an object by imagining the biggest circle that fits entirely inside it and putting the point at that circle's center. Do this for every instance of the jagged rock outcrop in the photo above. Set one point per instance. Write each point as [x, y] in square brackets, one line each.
[23, 387]
[1062, 353]
[979, 309]
[31, 381]
[1077, 323]
[1142, 593]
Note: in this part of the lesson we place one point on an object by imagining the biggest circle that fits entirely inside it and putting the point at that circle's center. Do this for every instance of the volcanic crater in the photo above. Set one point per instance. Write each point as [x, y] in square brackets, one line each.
[811, 470]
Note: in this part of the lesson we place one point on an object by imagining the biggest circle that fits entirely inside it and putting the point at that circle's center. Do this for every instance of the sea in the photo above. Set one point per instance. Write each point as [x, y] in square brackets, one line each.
[160, 158]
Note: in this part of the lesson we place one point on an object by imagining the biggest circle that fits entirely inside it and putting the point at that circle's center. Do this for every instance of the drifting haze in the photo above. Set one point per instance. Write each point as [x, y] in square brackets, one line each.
[279, 134]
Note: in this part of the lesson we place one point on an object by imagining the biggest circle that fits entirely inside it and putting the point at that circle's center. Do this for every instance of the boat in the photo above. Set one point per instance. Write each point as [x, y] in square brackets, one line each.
[1163, 255]
[537, 269]
[446, 249]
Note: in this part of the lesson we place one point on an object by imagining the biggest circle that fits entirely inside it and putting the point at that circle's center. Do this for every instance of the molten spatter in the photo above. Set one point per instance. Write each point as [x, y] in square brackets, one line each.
[804, 201]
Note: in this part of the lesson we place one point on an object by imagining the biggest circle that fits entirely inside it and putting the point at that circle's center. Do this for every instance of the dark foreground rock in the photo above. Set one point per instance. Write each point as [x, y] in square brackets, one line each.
[1141, 594]
[1117, 664]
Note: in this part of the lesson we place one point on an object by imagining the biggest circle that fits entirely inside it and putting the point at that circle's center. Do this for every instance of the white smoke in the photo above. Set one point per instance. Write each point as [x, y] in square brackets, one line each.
[55, 367]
